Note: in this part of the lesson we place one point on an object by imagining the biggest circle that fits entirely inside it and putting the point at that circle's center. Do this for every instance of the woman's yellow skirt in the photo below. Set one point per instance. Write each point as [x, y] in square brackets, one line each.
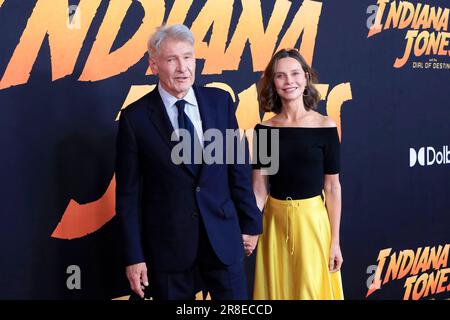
[293, 253]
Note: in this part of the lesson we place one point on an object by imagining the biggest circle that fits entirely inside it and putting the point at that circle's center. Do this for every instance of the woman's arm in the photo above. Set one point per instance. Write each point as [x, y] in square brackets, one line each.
[260, 188]
[332, 188]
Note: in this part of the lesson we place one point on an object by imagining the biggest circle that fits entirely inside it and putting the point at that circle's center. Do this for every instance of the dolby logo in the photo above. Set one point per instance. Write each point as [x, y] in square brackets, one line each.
[428, 156]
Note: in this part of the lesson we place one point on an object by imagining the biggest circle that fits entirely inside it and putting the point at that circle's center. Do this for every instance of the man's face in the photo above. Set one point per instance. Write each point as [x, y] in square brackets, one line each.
[175, 66]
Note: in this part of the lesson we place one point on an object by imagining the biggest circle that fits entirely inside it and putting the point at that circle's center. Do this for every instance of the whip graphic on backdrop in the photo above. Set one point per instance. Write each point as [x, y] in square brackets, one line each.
[428, 156]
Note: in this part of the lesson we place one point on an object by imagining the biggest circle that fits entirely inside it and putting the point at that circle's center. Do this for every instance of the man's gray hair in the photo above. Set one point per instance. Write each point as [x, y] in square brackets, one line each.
[176, 31]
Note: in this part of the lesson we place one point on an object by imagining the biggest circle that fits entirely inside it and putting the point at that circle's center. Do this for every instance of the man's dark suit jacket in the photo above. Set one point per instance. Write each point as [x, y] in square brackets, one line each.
[158, 202]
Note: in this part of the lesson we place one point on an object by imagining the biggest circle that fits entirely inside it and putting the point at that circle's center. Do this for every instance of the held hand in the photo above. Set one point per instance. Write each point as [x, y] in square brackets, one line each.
[250, 242]
[137, 276]
[336, 259]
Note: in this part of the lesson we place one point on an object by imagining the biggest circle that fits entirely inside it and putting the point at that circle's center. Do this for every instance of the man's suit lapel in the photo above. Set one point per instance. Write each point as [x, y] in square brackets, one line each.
[208, 114]
[159, 117]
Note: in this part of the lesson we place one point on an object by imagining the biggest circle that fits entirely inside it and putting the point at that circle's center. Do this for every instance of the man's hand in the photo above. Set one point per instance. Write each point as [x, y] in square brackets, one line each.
[250, 242]
[137, 276]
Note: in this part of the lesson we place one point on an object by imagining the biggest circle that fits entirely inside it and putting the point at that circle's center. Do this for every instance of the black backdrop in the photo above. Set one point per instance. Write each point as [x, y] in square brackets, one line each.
[57, 143]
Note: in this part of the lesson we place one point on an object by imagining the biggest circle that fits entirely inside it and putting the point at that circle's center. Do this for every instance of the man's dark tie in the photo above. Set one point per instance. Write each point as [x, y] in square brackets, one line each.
[185, 123]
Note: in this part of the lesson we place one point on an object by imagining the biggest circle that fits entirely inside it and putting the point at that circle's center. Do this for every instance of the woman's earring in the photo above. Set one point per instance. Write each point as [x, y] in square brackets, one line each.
[307, 92]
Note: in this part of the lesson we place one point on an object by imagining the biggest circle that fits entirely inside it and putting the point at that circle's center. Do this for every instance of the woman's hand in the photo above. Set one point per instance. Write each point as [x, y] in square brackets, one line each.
[335, 261]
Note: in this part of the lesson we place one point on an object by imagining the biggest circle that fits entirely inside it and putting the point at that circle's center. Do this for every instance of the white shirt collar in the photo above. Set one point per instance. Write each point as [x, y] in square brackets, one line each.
[169, 100]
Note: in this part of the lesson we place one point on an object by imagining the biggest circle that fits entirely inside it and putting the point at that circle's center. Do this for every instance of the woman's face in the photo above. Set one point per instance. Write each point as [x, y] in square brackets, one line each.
[289, 79]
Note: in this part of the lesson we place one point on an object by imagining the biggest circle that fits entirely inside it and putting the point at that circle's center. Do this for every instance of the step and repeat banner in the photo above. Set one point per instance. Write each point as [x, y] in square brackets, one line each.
[67, 68]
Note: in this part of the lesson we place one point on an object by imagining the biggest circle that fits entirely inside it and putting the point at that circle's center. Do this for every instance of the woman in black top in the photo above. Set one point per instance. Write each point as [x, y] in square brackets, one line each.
[299, 255]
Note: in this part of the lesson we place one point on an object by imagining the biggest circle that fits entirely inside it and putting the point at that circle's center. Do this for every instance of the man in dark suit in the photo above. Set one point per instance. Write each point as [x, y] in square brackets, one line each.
[185, 222]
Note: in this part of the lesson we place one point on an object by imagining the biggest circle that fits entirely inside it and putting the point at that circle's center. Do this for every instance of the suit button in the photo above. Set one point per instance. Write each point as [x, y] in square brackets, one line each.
[197, 189]
[195, 215]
